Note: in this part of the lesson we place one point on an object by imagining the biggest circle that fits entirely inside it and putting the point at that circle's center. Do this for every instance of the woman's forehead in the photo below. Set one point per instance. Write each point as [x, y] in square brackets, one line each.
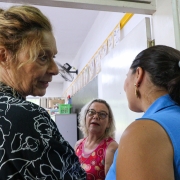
[49, 43]
[98, 105]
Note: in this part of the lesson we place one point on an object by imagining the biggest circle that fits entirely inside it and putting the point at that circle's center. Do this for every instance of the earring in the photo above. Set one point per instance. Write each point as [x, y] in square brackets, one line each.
[137, 93]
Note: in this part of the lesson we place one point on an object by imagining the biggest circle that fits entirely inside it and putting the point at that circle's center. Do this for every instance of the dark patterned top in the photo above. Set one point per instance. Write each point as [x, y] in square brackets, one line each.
[31, 146]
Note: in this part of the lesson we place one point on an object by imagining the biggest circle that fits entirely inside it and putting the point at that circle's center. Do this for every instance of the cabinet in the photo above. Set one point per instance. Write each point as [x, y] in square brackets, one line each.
[67, 125]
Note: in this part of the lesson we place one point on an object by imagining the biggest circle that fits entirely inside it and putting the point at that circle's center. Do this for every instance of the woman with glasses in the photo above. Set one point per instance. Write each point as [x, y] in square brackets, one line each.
[97, 148]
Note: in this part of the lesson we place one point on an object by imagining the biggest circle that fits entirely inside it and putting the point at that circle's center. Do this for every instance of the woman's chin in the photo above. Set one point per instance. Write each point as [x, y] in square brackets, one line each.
[135, 109]
[39, 93]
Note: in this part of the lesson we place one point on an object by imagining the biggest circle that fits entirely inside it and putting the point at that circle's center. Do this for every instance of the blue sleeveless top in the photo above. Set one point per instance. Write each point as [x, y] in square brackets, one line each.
[167, 113]
[111, 175]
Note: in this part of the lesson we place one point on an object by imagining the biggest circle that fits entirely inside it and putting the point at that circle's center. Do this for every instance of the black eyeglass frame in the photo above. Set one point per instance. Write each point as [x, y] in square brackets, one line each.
[95, 112]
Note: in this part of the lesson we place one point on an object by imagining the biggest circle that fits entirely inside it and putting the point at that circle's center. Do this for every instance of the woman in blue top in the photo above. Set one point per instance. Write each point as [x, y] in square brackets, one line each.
[150, 146]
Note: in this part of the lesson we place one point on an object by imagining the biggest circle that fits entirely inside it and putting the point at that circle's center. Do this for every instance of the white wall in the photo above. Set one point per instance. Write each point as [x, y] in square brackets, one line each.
[162, 21]
[54, 90]
[102, 27]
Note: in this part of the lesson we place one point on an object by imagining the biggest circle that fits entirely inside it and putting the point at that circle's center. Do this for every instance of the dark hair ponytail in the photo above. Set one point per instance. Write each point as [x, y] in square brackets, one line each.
[162, 64]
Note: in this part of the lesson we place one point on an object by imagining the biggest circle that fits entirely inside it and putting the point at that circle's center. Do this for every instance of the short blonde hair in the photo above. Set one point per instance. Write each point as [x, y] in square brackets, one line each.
[21, 27]
[110, 132]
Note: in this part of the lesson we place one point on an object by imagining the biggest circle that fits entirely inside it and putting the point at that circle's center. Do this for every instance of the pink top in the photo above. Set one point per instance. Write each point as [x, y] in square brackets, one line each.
[93, 163]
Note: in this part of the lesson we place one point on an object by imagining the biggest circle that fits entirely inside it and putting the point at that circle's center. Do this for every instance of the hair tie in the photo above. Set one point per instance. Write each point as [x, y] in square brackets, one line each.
[179, 64]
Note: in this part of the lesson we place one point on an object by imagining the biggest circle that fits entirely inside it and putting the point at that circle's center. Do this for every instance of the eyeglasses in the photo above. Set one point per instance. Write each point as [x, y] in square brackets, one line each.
[101, 115]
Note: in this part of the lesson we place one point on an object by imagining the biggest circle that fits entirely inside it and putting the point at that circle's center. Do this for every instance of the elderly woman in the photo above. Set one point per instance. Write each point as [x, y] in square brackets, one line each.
[31, 146]
[150, 146]
[96, 149]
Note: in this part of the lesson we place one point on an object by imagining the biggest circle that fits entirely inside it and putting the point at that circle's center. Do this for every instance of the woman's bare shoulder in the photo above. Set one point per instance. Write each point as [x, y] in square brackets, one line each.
[147, 146]
[113, 145]
[77, 143]
[142, 128]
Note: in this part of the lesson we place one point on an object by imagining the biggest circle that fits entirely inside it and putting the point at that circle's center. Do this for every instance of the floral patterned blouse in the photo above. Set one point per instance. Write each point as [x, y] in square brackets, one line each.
[93, 163]
[31, 147]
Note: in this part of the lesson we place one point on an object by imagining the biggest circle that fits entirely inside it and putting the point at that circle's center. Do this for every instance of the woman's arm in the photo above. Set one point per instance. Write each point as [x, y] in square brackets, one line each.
[110, 155]
[145, 152]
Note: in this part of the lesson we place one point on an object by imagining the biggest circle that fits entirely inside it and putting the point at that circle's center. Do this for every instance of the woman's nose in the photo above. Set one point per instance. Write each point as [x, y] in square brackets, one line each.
[96, 116]
[53, 68]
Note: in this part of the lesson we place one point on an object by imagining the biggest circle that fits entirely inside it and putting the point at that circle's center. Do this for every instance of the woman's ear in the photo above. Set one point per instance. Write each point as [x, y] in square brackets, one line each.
[3, 57]
[2, 54]
[139, 75]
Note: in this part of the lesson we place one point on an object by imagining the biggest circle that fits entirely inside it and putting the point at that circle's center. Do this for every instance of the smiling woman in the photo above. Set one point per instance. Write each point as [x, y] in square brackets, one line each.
[31, 145]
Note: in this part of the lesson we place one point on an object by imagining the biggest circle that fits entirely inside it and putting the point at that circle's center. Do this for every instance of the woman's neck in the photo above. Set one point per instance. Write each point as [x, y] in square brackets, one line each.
[92, 141]
[150, 98]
